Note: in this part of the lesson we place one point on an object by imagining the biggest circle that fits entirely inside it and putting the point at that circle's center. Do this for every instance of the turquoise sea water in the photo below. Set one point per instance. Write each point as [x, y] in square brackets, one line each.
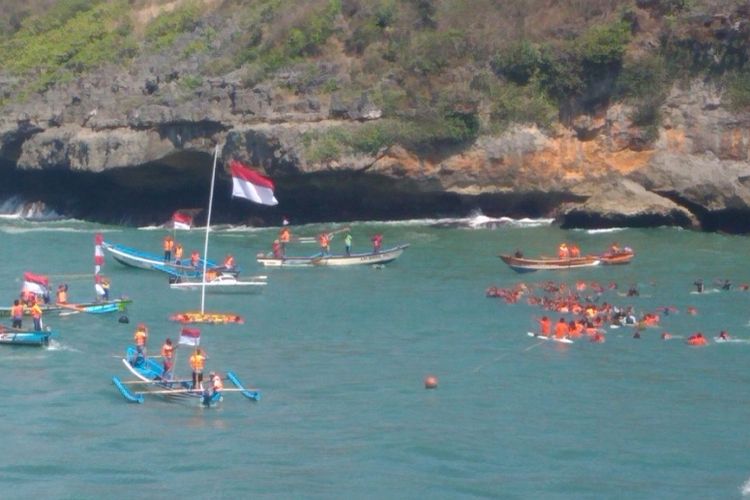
[340, 356]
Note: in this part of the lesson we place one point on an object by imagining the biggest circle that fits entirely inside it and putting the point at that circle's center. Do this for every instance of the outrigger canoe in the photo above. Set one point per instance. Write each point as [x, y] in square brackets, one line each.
[150, 378]
[88, 307]
[370, 258]
[524, 265]
[143, 260]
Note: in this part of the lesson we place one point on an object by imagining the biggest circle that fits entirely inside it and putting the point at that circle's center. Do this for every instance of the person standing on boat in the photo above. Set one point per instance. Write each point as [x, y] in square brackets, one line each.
[285, 236]
[575, 251]
[16, 314]
[168, 247]
[562, 251]
[324, 240]
[178, 254]
[167, 356]
[377, 242]
[348, 243]
[277, 250]
[545, 326]
[698, 285]
[140, 337]
[197, 363]
[36, 315]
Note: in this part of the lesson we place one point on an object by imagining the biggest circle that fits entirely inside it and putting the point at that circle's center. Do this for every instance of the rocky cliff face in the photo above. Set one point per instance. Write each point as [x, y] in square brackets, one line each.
[132, 146]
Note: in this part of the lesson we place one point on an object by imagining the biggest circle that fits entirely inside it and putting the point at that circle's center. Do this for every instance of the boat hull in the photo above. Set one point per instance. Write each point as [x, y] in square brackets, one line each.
[131, 257]
[616, 259]
[92, 307]
[382, 257]
[524, 265]
[25, 338]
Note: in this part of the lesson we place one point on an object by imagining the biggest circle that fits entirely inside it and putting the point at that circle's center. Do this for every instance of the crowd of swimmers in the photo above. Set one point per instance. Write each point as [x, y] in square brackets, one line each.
[589, 314]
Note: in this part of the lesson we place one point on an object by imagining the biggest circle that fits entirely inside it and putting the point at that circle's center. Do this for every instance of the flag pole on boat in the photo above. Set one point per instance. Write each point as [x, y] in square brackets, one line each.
[208, 225]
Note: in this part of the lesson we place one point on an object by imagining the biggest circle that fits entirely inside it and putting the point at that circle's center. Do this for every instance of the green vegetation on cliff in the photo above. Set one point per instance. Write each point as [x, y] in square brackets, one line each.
[442, 72]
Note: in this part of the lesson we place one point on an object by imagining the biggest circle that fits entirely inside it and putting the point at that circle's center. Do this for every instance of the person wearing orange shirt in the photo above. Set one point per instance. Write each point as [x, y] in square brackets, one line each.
[563, 252]
[168, 247]
[16, 314]
[197, 363]
[167, 356]
[545, 326]
[325, 243]
[140, 337]
[561, 329]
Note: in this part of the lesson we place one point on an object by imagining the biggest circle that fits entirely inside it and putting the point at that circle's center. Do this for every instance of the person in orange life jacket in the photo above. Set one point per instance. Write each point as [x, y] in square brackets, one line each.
[561, 329]
[285, 236]
[197, 363]
[562, 251]
[194, 258]
[276, 248]
[167, 355]
[168, 247]
[62, 294]
[325, 243]
[140, 337]
[178, 254]
[16, 314]
[36, 315]
[377, 242]
[575, 251]
[545, 326]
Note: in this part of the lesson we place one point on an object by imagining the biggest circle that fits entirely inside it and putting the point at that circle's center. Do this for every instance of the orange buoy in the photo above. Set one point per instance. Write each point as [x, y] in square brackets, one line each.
[430, 382]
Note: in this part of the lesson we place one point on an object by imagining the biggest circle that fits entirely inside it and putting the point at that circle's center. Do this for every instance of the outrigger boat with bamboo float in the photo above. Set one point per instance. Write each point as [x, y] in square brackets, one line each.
[18, 336]
[82, 307]
[150, 380]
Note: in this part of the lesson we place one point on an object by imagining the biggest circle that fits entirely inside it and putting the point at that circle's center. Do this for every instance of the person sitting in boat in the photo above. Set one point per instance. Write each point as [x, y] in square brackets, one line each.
[614, 248]
[195, 259]
[168, 246]
[36, 315]
[698, 285]
[217, 385]
[561, 329]
[697, 339]
[178, 251]
[562, 251]
[377, 242]
[324, 240]
[62, 294]
[16, 314]
[140, 337]
[211, 274]
[276, 248]
[197, 363]
[167, 356]
[726, 285]
[229, 262]
[518, 254]
[723, 335]
[348, 243]
[575, 251]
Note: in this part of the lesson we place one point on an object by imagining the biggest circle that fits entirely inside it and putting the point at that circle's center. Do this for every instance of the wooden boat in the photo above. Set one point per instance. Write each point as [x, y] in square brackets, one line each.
[143, 260]
[13, 336]
[617, 258]
[524, 265]
[150, 378]
[89, 307]
[382, 257]
[224, 284]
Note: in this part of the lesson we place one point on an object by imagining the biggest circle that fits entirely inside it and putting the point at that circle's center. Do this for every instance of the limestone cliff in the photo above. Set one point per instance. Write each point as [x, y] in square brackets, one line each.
[133, 144]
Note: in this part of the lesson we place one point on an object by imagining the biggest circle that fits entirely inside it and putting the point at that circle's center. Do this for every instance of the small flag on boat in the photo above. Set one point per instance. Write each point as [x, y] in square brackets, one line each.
[35, 283]
[190, 336]
[181, 220]
[247, 183]
[98, 253]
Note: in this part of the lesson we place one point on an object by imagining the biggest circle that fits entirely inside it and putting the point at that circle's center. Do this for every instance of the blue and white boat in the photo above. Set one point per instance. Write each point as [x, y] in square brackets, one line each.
[151, 380]
[143, 260]
[12, 336]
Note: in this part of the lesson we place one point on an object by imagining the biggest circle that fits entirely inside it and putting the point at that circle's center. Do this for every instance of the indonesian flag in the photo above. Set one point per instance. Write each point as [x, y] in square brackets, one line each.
[247, 183]
[35, 283]
[98, 253]
[181, 220]
[190, 336]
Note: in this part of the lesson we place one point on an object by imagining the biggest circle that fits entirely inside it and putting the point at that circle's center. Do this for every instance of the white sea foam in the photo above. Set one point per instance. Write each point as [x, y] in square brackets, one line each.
[745, 488]
[605, 230]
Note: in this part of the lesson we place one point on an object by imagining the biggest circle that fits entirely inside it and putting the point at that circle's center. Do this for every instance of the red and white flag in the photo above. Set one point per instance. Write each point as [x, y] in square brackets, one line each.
[190, 336]
[98, 253]
[181, 220]
[247, 183]
[35, 283]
